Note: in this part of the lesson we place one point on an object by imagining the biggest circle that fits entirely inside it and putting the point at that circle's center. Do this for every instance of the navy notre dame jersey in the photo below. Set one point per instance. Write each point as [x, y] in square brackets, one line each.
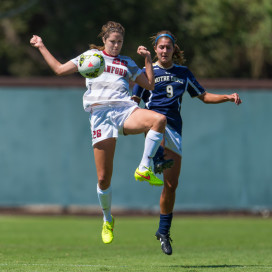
[166, 98]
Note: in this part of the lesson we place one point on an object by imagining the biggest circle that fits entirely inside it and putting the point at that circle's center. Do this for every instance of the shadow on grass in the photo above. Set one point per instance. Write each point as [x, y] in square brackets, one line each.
[207, 266]
[215, 266]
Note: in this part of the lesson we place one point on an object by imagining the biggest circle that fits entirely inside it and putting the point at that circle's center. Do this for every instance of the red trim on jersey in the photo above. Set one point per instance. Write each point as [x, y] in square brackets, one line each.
[105, 53]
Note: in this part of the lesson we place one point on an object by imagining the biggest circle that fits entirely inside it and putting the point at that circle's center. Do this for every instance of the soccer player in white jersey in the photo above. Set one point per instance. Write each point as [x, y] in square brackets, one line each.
[171, 81]
[112, 111]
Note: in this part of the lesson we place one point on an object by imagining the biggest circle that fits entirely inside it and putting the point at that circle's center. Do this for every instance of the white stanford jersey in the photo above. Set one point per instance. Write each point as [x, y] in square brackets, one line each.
[113, 84]
[166, 98]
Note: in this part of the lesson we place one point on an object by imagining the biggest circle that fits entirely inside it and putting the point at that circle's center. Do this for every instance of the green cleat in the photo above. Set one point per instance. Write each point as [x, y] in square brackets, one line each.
[107, 231]
[148, 176]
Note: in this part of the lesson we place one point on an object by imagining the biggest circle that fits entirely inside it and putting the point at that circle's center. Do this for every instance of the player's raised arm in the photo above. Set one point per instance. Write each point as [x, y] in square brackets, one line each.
[58, 68]
[210, 98]
[146, 80]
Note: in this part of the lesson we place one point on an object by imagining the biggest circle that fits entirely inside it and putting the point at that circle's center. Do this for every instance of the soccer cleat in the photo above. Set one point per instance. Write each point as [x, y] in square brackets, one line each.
[107, 231]
[148, 176]
[165, 242]
[161, 164]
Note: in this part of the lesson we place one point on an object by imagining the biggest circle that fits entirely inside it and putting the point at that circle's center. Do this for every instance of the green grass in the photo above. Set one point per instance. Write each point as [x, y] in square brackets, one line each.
[74, 244]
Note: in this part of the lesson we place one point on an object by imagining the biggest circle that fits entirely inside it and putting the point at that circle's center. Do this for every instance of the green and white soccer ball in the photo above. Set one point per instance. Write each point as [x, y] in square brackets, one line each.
[91, 65]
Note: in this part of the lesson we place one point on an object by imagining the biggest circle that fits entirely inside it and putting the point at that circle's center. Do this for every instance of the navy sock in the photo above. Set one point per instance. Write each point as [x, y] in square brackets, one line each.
[165, 223]
[158, 154]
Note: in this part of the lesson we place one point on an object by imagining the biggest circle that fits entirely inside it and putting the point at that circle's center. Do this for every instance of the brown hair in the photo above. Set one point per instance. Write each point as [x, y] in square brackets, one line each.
[106, 30]
[178, 56]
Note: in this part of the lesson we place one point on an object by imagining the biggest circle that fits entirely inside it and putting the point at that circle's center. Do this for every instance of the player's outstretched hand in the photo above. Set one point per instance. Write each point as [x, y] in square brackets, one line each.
[36, 41]
[142, 51]
[235, 98]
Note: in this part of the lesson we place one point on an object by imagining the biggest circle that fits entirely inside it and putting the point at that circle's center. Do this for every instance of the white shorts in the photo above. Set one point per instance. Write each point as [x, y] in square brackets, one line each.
[173, 140]
[107, 120]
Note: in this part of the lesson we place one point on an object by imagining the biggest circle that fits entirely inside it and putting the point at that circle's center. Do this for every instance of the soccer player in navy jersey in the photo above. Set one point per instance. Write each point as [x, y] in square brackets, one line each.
[172, 79]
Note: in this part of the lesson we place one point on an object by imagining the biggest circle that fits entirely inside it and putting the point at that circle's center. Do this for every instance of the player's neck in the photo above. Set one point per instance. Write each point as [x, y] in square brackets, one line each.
[165, 65]
[108, 54]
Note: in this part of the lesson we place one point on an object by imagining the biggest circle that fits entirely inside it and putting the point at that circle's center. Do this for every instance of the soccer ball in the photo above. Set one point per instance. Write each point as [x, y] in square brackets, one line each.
[91, 65]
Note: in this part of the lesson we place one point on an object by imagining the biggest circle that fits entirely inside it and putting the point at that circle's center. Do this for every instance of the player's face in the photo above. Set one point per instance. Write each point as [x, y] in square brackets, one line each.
[164, 50]
[113, 44]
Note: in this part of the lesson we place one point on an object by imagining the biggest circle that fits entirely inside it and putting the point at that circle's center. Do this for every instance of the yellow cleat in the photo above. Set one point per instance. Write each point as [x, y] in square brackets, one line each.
[107, 231]
[148, 176]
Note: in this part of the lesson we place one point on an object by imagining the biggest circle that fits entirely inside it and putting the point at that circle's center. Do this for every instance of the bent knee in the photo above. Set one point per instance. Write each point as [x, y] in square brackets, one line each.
[103, 182]
[163, 120]
[160, 121]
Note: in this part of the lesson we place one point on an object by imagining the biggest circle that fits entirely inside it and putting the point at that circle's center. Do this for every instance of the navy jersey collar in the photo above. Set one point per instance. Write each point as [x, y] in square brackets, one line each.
[157, 63]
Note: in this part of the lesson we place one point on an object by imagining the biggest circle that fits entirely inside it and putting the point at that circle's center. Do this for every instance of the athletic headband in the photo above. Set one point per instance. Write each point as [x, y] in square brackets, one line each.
[115, 29]
[165, 35]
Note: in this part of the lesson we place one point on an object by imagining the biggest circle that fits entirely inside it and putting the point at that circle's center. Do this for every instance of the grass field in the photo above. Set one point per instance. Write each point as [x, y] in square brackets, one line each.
[74, 244]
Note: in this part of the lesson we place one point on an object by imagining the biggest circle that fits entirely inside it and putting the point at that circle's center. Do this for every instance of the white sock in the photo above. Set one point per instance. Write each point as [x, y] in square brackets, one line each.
[104, 197]
[152, 142]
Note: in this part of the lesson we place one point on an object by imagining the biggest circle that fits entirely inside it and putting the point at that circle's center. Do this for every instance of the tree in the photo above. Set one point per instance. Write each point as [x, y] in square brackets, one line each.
[223, 38]
[232, 38]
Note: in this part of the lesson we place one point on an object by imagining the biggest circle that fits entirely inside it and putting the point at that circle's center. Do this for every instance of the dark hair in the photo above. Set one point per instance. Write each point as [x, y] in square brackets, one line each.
[178, 56]
[106, 30]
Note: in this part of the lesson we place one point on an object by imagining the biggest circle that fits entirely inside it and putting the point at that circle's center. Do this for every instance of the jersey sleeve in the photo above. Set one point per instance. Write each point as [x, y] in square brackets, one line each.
[75, 60]
[141, 93]
[137, 91]
[192, 85]
[133, 70]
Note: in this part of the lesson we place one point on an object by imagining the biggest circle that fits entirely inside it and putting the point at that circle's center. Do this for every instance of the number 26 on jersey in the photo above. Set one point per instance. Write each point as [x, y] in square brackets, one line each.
[96, 133]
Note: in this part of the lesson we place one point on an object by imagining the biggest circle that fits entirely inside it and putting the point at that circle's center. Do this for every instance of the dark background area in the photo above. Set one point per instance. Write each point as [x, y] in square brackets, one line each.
[221, 39]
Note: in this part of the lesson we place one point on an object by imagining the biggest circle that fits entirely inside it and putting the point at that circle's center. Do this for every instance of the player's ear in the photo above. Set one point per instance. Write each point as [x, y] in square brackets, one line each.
[104, 40]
